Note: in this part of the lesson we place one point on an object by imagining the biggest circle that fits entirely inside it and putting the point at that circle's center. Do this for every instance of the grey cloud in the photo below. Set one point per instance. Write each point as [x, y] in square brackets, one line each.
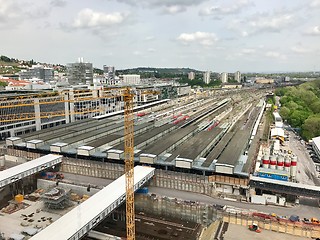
[219, 11]
[314, 31]
[166, 6]
[58, 3]
[87, 18]
[265, 22]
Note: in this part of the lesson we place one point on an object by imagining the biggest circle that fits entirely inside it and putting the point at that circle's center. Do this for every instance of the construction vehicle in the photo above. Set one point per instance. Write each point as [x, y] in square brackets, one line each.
[255, 228]
[52, 175]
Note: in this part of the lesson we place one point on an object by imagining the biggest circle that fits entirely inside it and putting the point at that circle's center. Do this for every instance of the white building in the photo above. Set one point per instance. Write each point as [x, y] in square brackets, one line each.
[130, 79]
[206, 77]
[237, 76]
[224, 77]
[191, 75]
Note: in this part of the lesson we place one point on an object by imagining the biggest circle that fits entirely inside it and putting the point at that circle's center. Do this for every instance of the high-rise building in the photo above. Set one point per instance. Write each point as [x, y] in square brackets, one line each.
[206, 77]
[80, 72]
[109, 74]
[191, 75]
[38, 71]
[237, 76]
[224, 77]
[130, 79]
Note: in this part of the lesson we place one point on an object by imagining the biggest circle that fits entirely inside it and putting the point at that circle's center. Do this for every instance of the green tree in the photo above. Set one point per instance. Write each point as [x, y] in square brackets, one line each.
[311, 127]
[315, 107]
[285, 112]
[298, 117]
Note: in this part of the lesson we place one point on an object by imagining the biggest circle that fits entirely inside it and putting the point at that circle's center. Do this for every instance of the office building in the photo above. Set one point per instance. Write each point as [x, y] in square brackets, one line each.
[130, 79]
[109, 74]
[191, 75]
[224, 77]
[206, 77]
[80, 73]
[37, 71]
[237, 76]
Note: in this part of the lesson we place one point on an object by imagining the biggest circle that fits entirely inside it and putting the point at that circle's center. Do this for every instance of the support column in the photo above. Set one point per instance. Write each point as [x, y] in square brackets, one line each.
[37, 114]
[71, 97]
[66, 108]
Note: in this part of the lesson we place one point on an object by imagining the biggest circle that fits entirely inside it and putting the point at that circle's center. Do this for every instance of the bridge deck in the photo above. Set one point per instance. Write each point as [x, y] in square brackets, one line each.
[18, 172]
[80, 220]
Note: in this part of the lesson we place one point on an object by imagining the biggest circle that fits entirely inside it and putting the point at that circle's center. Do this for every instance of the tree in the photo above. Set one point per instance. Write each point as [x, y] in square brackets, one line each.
[315, 107]
[285, 112]
[298, 117]
[311, 127]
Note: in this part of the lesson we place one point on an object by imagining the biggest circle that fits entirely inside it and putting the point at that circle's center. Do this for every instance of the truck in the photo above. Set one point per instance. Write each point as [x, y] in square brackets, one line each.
[52, 175]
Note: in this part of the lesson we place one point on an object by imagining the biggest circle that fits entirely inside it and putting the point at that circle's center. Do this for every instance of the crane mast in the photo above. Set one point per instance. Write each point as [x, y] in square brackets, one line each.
[129, 162]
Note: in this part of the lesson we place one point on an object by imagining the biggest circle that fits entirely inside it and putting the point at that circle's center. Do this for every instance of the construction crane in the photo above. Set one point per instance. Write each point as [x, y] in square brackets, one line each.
[129, 163]
[128, 95]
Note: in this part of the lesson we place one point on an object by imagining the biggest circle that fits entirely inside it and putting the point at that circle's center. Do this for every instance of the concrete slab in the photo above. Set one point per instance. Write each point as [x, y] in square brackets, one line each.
[234, 230]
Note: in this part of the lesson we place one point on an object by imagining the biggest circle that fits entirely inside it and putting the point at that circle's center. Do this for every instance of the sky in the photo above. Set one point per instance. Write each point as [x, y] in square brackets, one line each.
[207, 35]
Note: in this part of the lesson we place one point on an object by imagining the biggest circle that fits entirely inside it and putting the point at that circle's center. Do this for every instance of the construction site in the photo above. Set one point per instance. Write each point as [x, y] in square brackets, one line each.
[109, 175]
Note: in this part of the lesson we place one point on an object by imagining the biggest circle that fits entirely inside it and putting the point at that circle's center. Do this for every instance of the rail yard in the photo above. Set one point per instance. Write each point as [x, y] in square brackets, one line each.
[205, 144]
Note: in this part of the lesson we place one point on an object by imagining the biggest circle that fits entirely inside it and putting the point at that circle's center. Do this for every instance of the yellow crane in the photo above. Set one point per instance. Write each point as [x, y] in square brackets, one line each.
[129, 162]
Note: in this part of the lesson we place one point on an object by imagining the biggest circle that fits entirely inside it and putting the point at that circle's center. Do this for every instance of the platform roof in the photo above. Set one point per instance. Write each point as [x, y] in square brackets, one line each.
[89, 212]
[239, 141]
[195, 145]
[145, 136]
[165, 142]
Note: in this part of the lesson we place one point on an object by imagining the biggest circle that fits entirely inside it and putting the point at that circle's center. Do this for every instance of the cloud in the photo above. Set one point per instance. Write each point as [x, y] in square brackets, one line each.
[9, 12]
[271, 23]
[276, 55]
[315, 31]
[137, 53]
[58, 3]
[174, 9]
[300, 49]
[167, 6]
[87, 18]
[248, 51]
[274, 22]
[203, 38]
[315, 4]
[218, 11]
[149, 38]
[151, 50]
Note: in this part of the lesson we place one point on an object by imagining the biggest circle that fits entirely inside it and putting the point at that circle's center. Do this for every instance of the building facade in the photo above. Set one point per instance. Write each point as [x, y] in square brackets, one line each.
[109, 74]
[224, 77]
[130, 79]
[38, 71]
[237, 76]
[191, 75]
[80, 73]
[206, 77]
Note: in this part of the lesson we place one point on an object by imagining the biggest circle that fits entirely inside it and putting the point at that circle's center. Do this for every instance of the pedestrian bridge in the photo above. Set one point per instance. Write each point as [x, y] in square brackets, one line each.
[80, 220]
[18, 172]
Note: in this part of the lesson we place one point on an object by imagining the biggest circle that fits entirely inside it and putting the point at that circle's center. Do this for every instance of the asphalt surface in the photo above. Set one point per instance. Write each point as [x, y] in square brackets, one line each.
[300, 210]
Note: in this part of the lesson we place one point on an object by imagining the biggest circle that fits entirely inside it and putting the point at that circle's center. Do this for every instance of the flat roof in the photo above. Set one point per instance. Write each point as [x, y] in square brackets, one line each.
[79, 217]
[195, 145]
[284, 183]
[102, 140]
[165, 142]
[145, 136]
[239, 141]
[85, 135]
[12, 174]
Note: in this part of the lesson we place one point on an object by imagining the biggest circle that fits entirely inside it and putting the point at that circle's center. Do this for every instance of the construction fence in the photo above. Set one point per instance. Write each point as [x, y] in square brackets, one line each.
[270, 223]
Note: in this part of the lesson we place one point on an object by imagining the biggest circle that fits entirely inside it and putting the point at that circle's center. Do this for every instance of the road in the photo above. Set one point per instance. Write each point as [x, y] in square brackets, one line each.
[300, 210]
[306, 172]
